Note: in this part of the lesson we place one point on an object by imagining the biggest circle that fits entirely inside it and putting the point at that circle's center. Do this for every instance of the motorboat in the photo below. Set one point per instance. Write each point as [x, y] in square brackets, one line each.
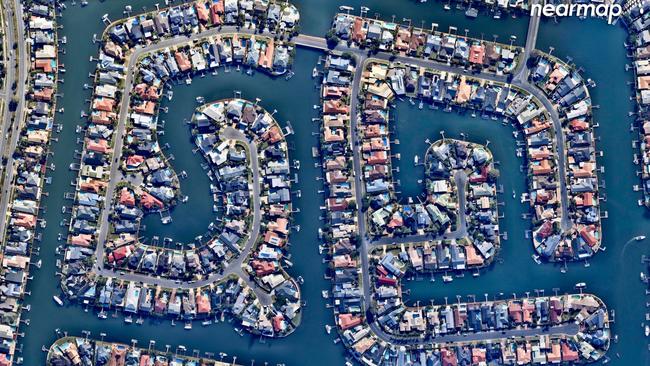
[57, 300]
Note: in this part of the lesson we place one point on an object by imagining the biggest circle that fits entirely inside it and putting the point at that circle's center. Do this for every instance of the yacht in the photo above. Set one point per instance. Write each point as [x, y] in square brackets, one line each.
[639, 238]
[57, 300]
[314, 72]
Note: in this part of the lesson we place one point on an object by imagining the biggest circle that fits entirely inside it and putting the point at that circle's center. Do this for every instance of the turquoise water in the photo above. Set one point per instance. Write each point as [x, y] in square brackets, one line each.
[613, 275]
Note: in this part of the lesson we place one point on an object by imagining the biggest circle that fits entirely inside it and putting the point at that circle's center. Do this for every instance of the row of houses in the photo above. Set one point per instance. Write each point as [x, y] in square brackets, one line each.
[227, 160]
[341, 233]
[90, 352]
[275, 17]
[434, 322]
[447, 162]
[157, 188]
[151, 184]
[496, 100]
[266, 260]
[30, 168]
[143, 159]
[430, 44]
[568, 92]
[638, 45]
[153, 71]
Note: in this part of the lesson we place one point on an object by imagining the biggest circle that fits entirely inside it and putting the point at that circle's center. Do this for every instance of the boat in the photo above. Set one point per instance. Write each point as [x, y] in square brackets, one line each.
[102, 315]
[57, 300]
[643, 277]
[447, 278]
[471, 12]
[447, 7]
[647, 330]
[188, 325]
[581, 285]
[63, 209]
[514, 194]
[128, 319]
[314, 72]
[639, 238]
[328, 329]
[416, 159]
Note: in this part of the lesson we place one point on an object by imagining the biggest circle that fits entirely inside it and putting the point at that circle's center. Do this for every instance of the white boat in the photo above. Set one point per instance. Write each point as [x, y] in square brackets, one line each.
[643, 277]
[314, 72]
[447, 7]
[647, 330]
[328, 328]
[128, 319]
[188, 325]
[447, 278]
[57, 300]
[581, 285]
[416, 159]
[639, 238]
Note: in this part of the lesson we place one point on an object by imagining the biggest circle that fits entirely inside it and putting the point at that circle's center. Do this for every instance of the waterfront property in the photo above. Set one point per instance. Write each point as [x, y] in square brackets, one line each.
[91, 352]
[229, 133]
[570, 228]
[638, 47]
[565, 206]
[472, 54]
[460, 191]
[183, 301]
[124, 174]
[29, 166]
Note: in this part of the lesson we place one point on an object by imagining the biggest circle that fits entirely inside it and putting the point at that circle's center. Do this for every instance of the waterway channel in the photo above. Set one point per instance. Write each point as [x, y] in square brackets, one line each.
[613, 274]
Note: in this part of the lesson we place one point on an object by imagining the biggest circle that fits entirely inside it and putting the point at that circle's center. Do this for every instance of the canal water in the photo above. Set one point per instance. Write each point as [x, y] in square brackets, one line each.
[613, 275]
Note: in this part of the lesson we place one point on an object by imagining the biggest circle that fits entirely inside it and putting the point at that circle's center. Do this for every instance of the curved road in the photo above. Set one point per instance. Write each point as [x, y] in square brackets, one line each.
[520, 80]
[319, 43]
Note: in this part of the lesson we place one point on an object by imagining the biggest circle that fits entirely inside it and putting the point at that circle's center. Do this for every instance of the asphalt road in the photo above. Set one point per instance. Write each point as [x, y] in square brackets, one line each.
[520, 80]
[9, 134]
[320, 44]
